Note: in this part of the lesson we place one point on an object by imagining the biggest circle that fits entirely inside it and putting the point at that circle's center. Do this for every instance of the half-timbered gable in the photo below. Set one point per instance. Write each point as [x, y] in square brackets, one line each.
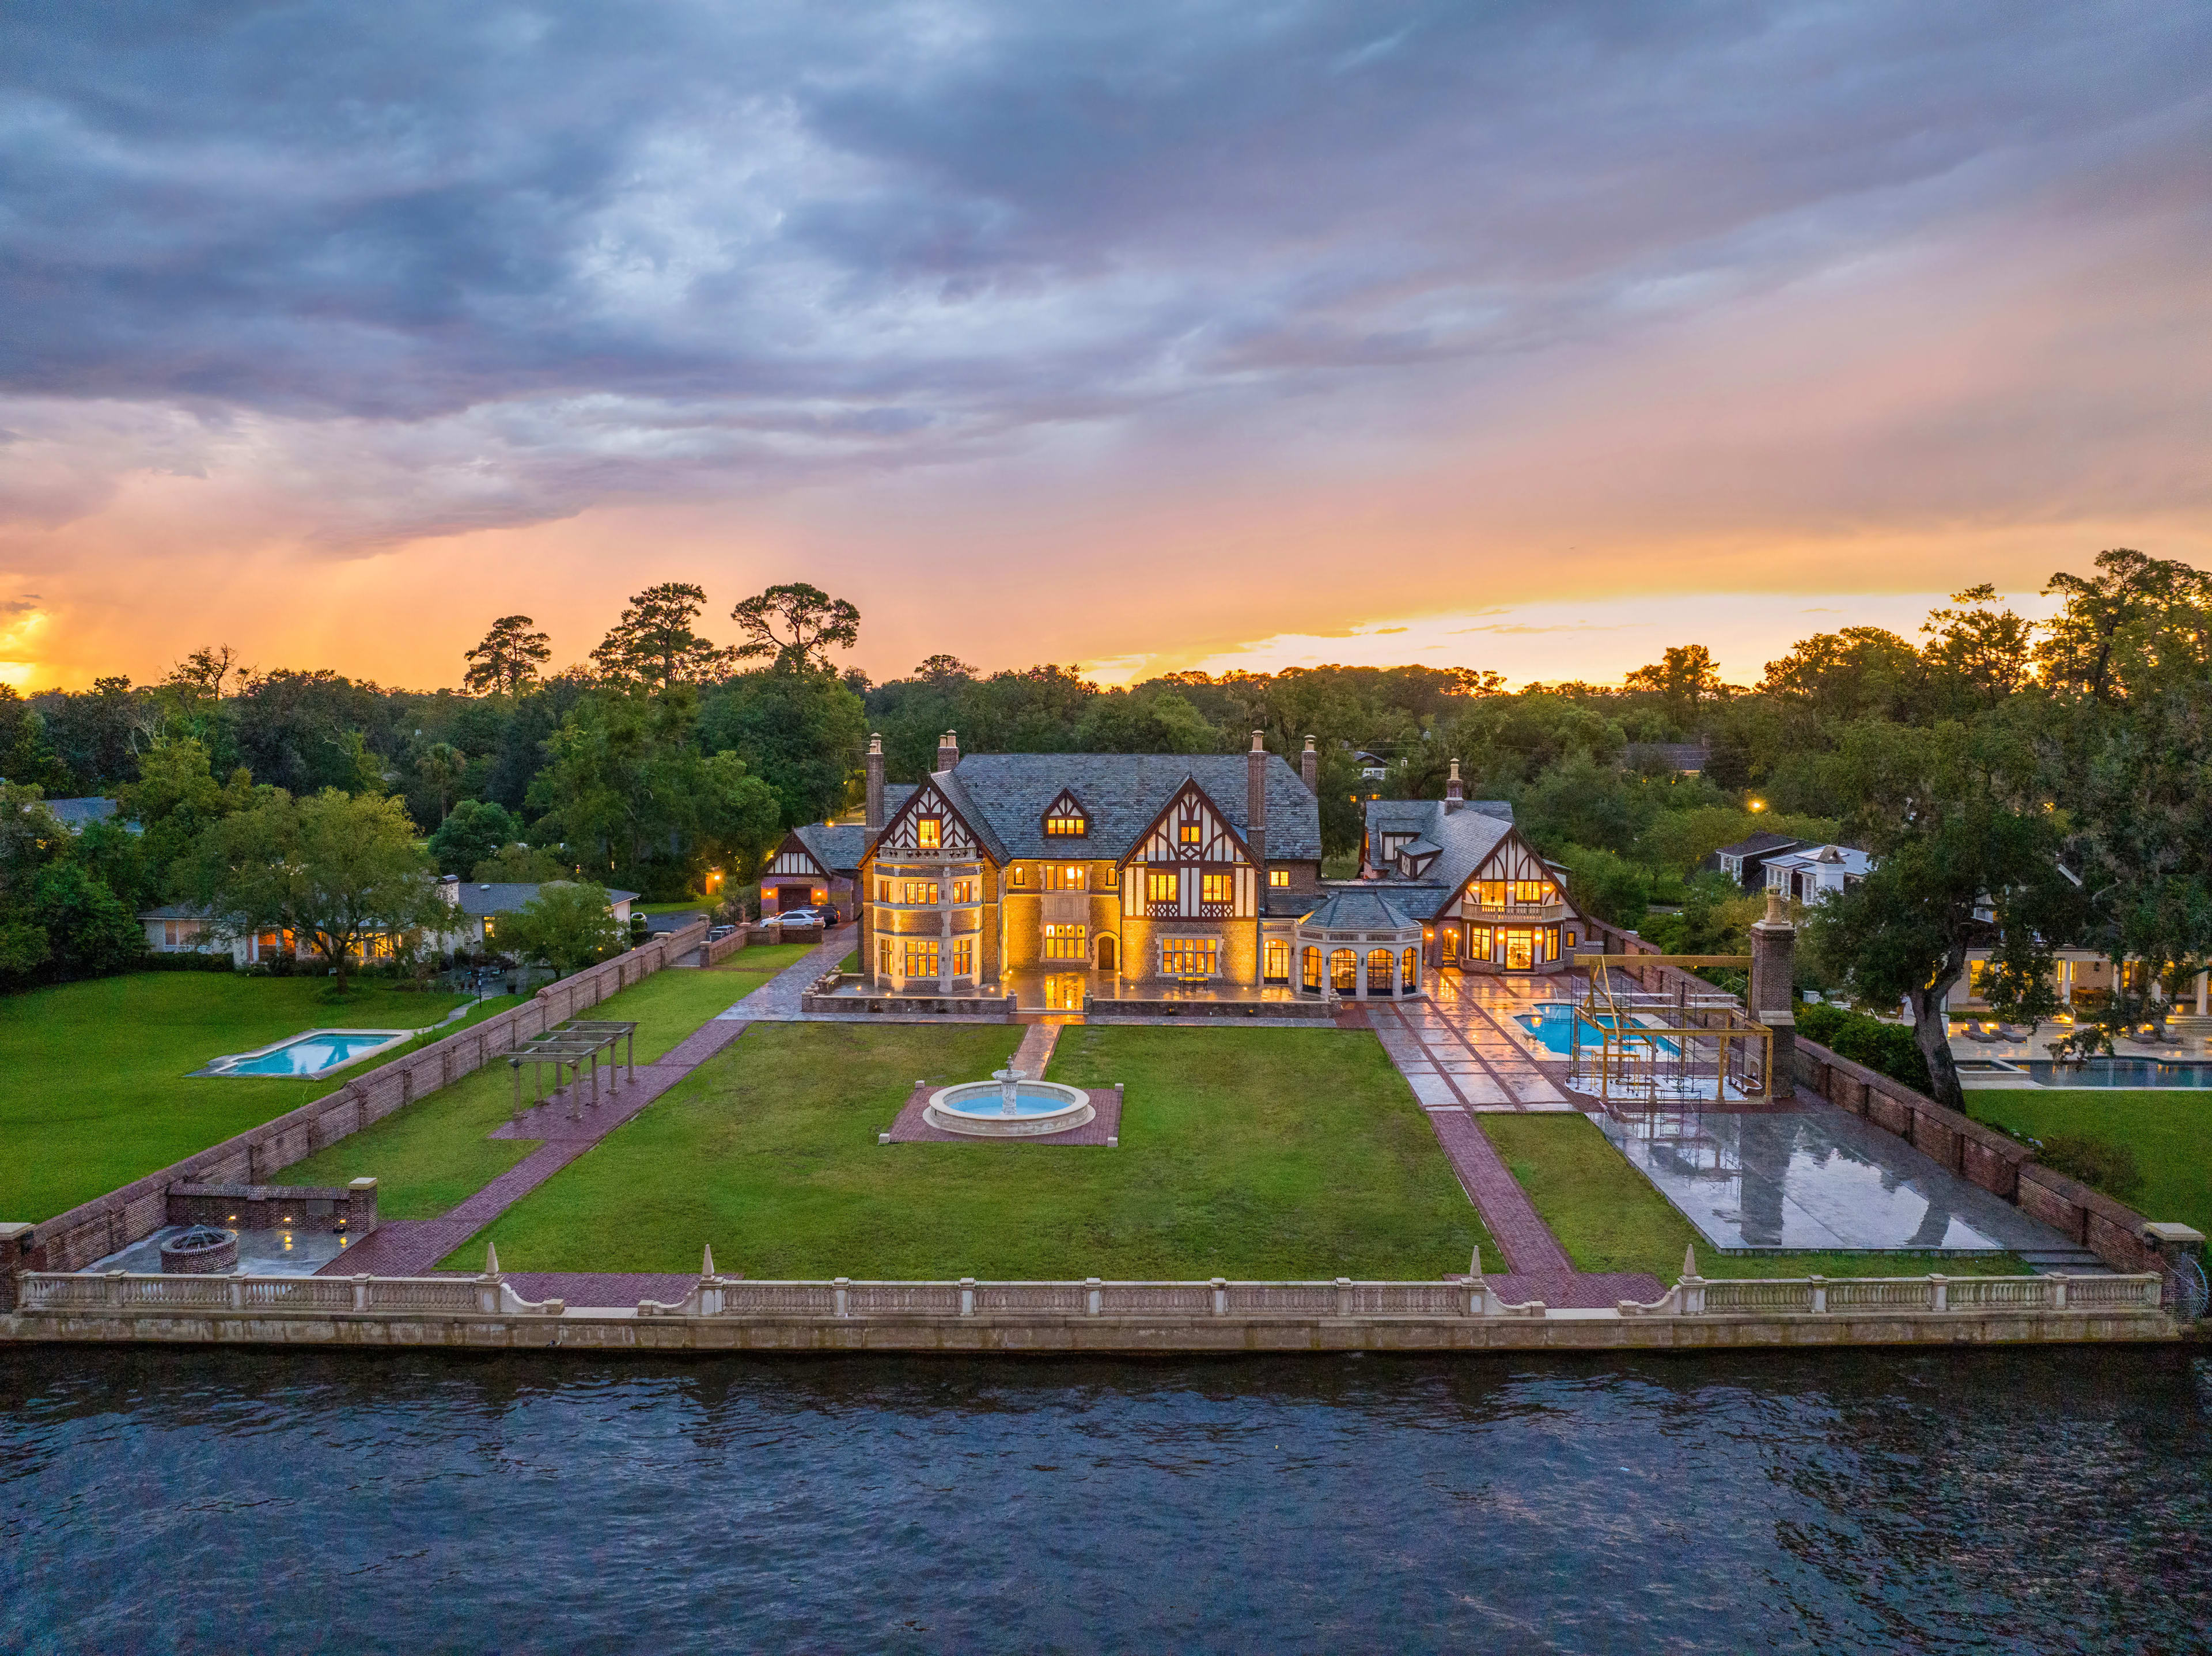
[1487, 898]
[1065, 818]
[1512, 879]
[1191, 864]
[928, 825]
[794, 861]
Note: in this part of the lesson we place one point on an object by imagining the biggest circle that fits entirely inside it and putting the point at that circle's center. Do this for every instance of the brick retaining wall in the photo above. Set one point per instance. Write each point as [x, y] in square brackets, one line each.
[350, 1208]
[106, 1224]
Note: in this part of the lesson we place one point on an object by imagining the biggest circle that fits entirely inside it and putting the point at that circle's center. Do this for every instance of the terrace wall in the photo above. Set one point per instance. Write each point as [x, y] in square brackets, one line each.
[2001, 1165]
[94, 1229]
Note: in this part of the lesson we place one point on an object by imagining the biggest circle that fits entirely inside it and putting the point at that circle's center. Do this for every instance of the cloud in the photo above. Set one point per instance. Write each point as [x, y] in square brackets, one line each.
[410, 270]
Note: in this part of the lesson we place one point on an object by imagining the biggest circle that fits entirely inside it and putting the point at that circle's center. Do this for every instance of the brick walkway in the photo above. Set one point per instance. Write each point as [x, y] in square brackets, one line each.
[405, 1247]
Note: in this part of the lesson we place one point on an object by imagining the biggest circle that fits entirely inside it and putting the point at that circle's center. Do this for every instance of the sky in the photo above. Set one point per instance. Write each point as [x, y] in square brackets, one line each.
[1534, 337]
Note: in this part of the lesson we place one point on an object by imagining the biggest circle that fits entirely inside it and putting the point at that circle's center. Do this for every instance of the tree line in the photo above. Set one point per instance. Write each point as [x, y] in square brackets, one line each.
[2024, 785]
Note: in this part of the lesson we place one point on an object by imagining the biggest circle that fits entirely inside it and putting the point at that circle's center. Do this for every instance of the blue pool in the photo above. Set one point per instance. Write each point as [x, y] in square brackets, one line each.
[1552, 1023]
[2117, 1072]
[316, 1052]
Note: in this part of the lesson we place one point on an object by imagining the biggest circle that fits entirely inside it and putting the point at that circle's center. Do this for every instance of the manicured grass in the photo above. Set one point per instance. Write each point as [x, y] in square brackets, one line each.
[431, 1154]
[2168, 1128]
[1609, 1216]
[851, 962]
[1244, 1153]
[95, 1077]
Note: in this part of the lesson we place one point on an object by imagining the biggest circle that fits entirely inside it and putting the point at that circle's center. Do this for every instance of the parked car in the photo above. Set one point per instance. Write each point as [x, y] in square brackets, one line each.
[795, 917]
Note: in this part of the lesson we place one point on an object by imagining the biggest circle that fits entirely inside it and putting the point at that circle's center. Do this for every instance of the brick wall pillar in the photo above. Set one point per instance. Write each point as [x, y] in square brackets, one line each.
[1773, 997]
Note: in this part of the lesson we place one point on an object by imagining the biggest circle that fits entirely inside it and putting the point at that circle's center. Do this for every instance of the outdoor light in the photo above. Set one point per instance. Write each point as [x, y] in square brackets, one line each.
[1756, 804]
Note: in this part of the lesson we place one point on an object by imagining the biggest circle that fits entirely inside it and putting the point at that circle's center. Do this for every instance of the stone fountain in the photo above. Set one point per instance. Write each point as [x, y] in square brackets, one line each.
[1010, 1105]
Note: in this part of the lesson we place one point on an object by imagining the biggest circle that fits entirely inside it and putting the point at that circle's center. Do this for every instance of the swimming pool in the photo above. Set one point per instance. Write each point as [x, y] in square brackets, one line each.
[2117, 1072]
[316, 1052]
[1552, 1023]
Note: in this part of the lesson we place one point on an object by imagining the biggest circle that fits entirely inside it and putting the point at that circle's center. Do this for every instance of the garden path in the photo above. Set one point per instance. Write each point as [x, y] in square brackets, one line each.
[405, 1247]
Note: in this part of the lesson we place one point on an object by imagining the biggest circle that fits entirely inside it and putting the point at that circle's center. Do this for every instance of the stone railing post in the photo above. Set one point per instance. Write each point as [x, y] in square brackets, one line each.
[1220, 1297]
[1819, 1292]
[1939, 1293]
[115, 1288]
[1344, 1296]
[361, 1292]
[966, 1296]
[1094, 1295]
[839, 1299]
[2054, 1290]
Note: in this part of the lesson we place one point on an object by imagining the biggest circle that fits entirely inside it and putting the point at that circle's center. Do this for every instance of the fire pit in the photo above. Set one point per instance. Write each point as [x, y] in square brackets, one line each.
[200, 1251]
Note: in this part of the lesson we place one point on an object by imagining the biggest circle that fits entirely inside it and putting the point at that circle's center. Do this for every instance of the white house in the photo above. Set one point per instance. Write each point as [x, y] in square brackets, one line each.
[1816, 871]
[178, 929]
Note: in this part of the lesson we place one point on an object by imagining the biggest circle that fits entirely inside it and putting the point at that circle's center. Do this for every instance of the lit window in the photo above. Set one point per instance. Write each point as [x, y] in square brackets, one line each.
[963, 957]
[1216, 889]
[1164, 888]
[964, 891]
[1065, 942]
[929, 832]
[1066, 825]
[883, 891]
[1278, 969]
[883, 955]
[1532, 891]
[1189, 957]
[1491, 894]
[1110, 878]
[1187, 833]
[1066, 877]
[922, 957]
[1278, 879]
[921, 892]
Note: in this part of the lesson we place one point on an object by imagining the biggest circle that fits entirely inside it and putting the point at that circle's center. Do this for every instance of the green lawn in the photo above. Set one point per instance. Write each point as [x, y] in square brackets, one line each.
[95, 1077]
[431, 1154]
[1609, 1217]
[2168, 1128]
[1244, 1153]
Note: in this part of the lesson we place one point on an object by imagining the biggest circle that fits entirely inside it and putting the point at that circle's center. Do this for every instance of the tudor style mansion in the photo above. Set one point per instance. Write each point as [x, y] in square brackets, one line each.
[1057, 876]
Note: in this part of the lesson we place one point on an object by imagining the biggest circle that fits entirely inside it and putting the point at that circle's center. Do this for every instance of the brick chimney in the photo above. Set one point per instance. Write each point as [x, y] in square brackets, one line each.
[1310, 769]
[948, 750]
[1255, 835]
[875, 783]
[1455, 790]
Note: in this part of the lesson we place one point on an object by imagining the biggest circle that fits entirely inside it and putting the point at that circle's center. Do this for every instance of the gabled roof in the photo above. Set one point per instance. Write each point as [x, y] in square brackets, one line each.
[838, 846]
[1004, 797]
[1757, 844]
[1355, 909]
[77, 815]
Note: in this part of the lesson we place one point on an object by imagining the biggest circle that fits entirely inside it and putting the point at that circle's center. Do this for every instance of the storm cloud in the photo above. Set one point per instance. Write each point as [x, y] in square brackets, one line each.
[415, 269]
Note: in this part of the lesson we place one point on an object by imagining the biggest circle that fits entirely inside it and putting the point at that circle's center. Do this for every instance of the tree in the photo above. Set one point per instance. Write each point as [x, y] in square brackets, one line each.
[1861, 672]
[1980, 653]
[1684, 677]
[90, 930]
[517, 864]
[1163, 722]
[800, 732]
[628, 792]
[473, 830]
[176, 797]
[337, 871]
[566, 926]
[2138, 621]
[813, 624]
[1966, 857]
[653, 643]
[443, 767]
[207, 668]
[944, 670]
[508, 659]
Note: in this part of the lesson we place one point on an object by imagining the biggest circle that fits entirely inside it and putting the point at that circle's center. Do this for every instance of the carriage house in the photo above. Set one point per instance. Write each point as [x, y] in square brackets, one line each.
[1107, 872]
[1486, 901]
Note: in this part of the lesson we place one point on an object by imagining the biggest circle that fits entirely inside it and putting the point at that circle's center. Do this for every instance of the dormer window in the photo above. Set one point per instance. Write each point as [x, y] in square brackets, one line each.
[1065, 818]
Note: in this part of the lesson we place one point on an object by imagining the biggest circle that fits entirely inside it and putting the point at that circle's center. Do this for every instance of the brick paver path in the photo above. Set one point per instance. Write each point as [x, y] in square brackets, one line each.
[403, 1247]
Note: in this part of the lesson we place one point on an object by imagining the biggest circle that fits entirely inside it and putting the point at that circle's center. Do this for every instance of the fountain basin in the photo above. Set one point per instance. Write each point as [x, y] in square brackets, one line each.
[979, 1108]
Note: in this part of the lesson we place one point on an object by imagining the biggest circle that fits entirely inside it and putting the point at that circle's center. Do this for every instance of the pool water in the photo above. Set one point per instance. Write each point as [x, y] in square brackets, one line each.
[312, 1054]
[2117, 1072]
[1552, 1023]
[992, 1104]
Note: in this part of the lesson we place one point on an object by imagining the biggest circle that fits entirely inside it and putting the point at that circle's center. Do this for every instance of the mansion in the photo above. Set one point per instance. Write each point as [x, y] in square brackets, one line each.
[1141, 875]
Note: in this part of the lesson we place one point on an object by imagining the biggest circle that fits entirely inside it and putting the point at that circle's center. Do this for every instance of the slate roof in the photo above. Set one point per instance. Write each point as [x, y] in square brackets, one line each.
[1005, 796]
[1463, 839]
[77, 815]
[838, 846]
[174, 912]
[1355, 908]
[504, 897]
[1676, 756]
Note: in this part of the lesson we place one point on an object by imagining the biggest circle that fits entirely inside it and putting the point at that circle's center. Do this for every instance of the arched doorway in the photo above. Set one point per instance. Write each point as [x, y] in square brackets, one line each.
[1344, 971]
[1110, 954]
[1381, 971]
[1312, 969]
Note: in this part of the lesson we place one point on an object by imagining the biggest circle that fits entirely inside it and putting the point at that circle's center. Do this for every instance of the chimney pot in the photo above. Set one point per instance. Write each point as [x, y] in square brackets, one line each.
[1309, 767]
[875, 805]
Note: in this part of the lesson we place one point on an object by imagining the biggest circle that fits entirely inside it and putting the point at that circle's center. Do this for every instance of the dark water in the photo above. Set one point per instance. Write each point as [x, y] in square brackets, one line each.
[256, 1502]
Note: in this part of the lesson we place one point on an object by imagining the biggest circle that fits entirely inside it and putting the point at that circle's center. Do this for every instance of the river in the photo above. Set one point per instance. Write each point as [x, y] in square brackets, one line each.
[186, 1500]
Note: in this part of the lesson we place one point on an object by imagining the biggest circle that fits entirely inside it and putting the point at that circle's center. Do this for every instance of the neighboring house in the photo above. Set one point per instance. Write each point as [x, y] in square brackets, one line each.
[1682, 758]
[1812, 872]
[179, 929]
[1373, 767]
[480, 905]
[1745, 862]
[1484, 898]
[820, 863]
[1152, 869]
[77, 815]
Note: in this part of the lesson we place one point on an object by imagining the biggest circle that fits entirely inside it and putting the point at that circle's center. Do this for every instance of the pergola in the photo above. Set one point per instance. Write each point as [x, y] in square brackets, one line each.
[572, 1044]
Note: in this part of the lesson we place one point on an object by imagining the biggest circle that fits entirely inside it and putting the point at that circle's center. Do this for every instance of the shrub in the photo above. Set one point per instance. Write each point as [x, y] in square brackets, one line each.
[2097, 1162]
[1888, 1049]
